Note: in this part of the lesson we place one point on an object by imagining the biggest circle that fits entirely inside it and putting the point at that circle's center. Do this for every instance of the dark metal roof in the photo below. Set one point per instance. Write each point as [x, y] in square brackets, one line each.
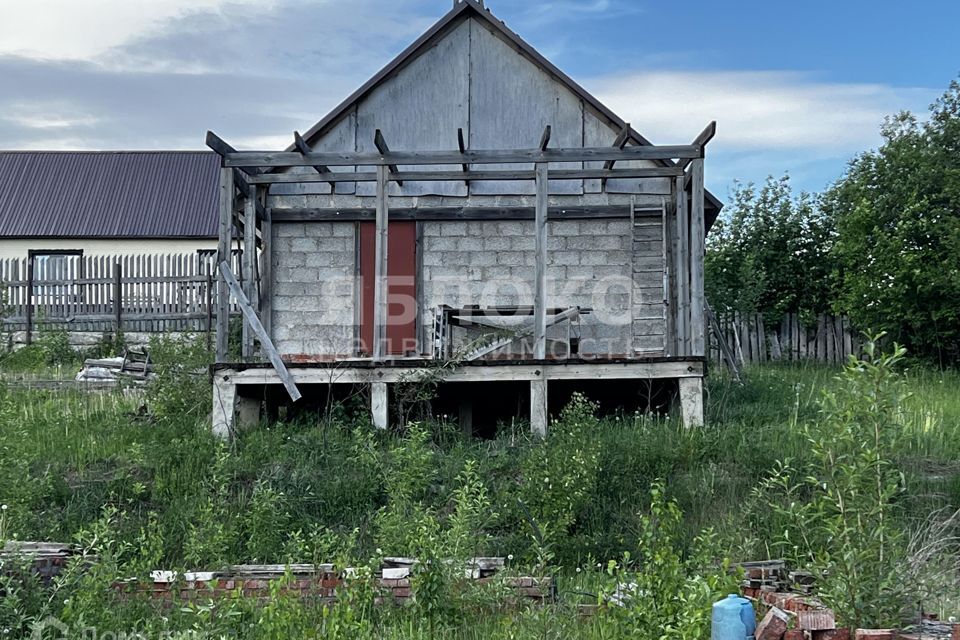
[108, 194]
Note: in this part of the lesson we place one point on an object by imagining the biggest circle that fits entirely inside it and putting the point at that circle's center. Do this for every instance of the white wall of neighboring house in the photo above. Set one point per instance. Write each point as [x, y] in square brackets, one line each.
[19, 248]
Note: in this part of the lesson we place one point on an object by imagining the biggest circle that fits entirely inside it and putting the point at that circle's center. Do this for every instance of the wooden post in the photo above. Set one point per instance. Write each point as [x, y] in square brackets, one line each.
[29, 297]
[249, 265]
[538, 406]
[682, 266]
[223, 254]
[380, 268]
[266, 271]
[697, 237]
[540, 282]
[117, 300]
[209, 293]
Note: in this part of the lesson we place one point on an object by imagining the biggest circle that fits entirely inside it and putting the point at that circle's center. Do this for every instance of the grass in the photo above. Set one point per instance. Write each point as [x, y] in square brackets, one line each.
[295, 492]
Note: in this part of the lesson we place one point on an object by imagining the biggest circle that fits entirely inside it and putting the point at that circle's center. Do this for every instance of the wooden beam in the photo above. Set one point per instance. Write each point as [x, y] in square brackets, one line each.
[303, 147]
[540, 257]
[618, 143]
[496, 156]
[223, 253]
[701, 140]
[682, 268]
[266, 270]
[457, 176]
[381, 145]
[380, 266]
[282, 215]
[697, 236]
[545, 138]
[490, 371]
[251, 316]
[249, 266]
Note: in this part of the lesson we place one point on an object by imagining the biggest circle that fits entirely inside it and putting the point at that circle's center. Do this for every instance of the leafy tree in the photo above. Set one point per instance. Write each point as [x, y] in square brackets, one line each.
[769, 252]
[897, 253]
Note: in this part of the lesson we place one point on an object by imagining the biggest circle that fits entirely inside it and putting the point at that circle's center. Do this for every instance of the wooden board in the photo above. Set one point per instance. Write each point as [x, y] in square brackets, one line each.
[511, 102]
[420, 109]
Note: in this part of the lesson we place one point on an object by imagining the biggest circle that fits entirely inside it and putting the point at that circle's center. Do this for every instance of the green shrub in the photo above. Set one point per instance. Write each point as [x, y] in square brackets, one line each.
[842, 509]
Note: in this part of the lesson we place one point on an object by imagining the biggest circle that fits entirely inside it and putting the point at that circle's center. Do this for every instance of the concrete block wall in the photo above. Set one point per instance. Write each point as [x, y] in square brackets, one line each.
[314, 266]
[591, 263]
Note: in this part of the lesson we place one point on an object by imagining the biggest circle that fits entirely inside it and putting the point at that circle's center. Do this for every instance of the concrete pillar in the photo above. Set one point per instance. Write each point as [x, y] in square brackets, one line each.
[224, 407]
[691, 401]
[378, 404]
[538, 407]
[248, 412]
[466, 416]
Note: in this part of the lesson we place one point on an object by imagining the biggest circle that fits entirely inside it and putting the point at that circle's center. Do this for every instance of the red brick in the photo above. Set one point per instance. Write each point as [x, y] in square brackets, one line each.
[816, 620]
[230, 585]
[401, 592]
[831, 634]
[875, 634]
[793, 634]
[956, 632]
[773, 625]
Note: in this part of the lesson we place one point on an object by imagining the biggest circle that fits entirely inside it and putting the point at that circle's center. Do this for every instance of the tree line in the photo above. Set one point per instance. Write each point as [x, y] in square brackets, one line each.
[880, 245]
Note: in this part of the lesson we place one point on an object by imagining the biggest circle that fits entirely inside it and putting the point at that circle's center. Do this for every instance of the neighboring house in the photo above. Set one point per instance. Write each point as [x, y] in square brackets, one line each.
[55, 204]
[470, 205]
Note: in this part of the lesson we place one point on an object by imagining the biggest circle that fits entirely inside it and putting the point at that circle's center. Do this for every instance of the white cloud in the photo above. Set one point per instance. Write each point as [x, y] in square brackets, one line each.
[757, 109]
[84, 29]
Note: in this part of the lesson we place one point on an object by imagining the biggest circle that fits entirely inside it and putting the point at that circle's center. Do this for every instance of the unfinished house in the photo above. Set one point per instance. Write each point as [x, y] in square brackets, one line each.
[474, 217]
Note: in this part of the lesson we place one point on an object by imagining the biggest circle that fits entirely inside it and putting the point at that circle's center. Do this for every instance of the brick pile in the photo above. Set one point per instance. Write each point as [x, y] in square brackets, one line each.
[791, 613]
[319, 583]
[46, 559]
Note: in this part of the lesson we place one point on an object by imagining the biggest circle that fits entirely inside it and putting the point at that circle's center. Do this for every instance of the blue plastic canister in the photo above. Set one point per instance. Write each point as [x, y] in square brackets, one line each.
[733, 619]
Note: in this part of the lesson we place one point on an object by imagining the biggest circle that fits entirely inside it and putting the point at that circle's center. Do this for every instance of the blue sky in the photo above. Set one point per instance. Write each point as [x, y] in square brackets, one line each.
[795, 87]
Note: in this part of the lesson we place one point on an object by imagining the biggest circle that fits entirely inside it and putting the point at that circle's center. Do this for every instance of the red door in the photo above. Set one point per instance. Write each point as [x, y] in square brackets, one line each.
[401, 287]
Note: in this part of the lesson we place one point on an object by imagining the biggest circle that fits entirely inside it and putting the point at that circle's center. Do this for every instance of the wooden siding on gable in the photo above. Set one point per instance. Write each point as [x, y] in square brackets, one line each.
[472, 78]
[420, 109]
[511, 101]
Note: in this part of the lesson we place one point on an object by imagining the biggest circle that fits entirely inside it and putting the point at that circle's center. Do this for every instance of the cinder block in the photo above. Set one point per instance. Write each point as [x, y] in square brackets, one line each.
[523, 243]
[514, 228]
[593, 258]
[470, 243]
[510, 258]
[303, 244]
[453, 228]
[563, 257]
[288, 229]
[496, 243]
[564, 228]
[318, 229]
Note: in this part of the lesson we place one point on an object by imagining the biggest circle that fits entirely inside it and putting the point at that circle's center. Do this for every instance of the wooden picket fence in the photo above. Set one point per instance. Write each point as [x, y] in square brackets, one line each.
[133, 293]
[750, 339]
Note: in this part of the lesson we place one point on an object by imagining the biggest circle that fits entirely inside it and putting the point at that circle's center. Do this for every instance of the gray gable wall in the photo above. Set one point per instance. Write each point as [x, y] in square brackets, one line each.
[470, 79]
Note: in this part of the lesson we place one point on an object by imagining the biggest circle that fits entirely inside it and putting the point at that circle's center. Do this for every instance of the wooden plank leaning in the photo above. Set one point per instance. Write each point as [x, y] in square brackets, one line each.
[265, 342]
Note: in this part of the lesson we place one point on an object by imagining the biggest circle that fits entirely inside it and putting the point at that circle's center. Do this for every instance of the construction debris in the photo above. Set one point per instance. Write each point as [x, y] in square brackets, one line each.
[134, 365]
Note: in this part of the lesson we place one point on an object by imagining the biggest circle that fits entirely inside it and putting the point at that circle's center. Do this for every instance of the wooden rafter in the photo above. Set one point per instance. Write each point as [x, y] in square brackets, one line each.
[382, 147]
[302, 147]
[619, 143]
